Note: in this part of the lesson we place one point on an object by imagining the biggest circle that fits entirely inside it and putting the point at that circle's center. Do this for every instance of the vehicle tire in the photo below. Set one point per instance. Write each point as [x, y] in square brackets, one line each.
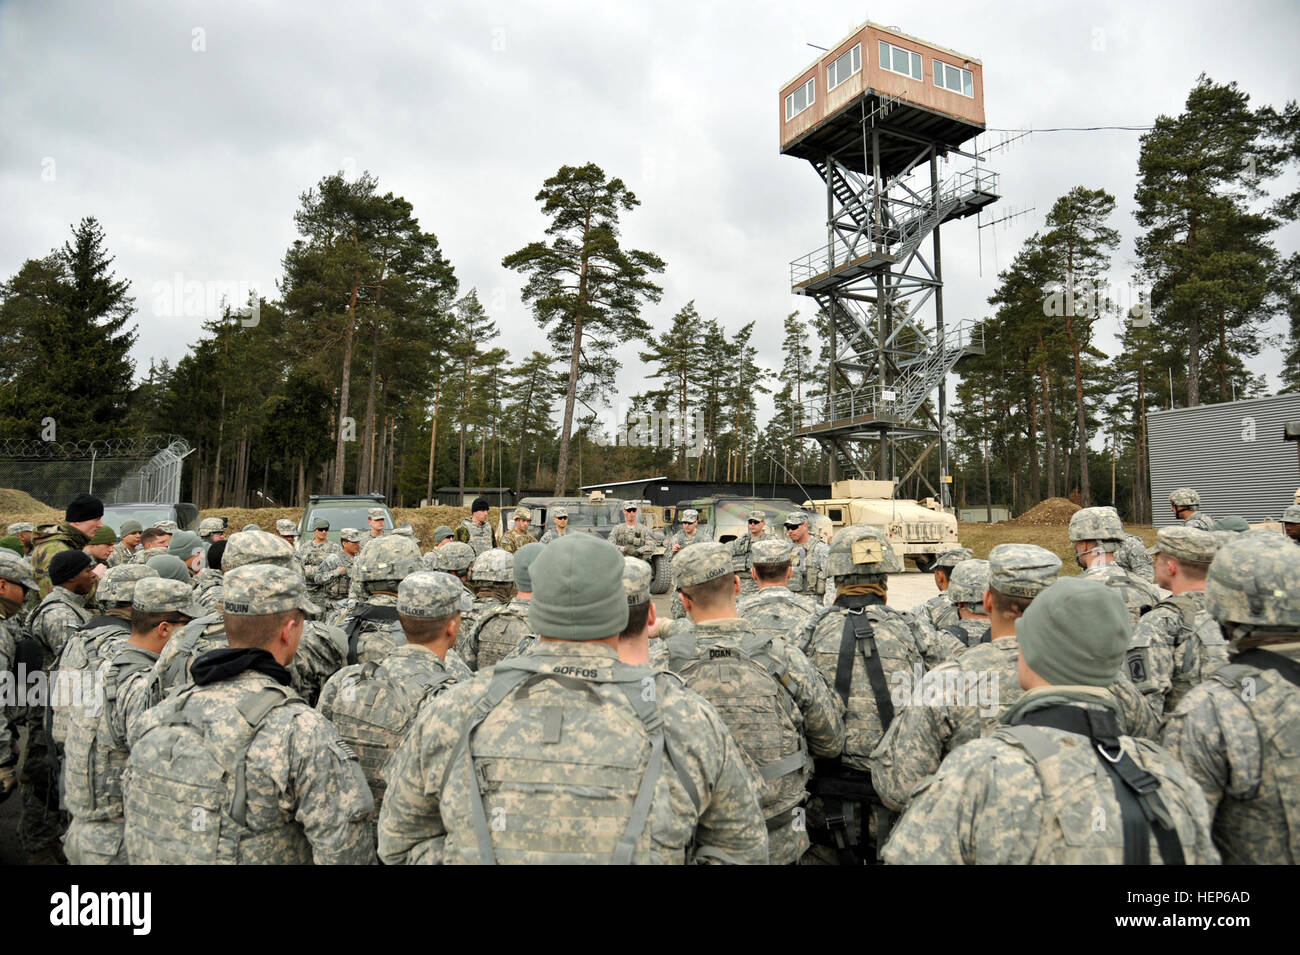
[662, 570]
[925, 562]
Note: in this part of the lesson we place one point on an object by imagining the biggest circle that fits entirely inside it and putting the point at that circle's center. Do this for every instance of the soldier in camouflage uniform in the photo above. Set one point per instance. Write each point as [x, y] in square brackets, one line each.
[773, 609]
[375, 520]
[371, 626]
[322, 649]
[635, 645]
[970, 579]
[807, 557]
[1097, 534]
[207, 585]
[1185, 502]
[631, 537]
[456, 559]
[1134, 557]
[333, 575]
[1178, 644]
[211, 530]
[492, 581]
[313, 552]
[1291, 522]
[1060, 782]
[795, 718]
[297, 795]
[560, 515]
[153, 541]
[89, 645]
[741, 549]
[501, 628]
[939, 611]
[83, 516]
[592, 739]
[16, 582]
[23, 531]
[689, 533]
[96, 748]
[1238, 733]
[964, 700]
[518, 536]
[475, 529]
[122, 552]
[372, 704]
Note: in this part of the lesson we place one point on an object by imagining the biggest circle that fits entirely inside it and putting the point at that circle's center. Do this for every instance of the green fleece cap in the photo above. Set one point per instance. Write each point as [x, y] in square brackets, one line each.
[1075, 632]
[524, 558]
[578, 589]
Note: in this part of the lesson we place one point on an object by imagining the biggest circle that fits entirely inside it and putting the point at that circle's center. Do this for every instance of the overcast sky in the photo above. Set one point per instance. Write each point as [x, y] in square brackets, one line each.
[190, 130]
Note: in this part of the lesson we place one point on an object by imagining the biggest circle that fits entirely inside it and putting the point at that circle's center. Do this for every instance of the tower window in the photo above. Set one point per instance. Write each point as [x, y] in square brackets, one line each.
[954, 78]
[800, 99]
[844, 67]
[897, 60]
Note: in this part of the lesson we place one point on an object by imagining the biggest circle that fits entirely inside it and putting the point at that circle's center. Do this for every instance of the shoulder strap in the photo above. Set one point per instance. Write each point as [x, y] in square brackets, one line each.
[254, 708]
[1285, 667]
[1184, 604]
[101, 620]
[681, 649]
[352, 624]
[860, 635]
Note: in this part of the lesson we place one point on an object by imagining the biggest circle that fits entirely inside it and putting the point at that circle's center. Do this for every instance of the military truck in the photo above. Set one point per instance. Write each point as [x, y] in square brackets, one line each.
[726, 516]
[920, 530]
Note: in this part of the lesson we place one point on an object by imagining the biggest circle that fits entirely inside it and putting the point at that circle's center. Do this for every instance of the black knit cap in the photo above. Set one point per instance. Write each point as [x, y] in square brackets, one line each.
[479, 505]
[67, 564]
[84, 507]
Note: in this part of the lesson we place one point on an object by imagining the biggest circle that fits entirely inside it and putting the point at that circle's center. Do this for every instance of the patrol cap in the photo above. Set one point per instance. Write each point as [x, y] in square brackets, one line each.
[376, 514]
[1290, 515]
[20, 527]
[701, 563]
[320, 524]
[630, 505]
[1184, 497]
[258, 590]
[17, 570]
[495, 564]
[456, 556]
[128, 527]
[796, 517]
[578, 591]
[1232, 522]
[67, 564]
[211, 525]
[524, 558]
[1096, 524]
[636, 581]
[1186, 543]
[161, 595]
[170, 566]
[255, 547]
[757, 515]
[185, 544]
[429, 593]
[774, 551]
[104, 535]
[118, 585]
[953, 556]
[440, 534]
[690, 515]
[522, 514]
[350, 534]
[167, 526]
[968, 582]
[560, 511]
[286, 528]
[1254, 580]
[1075, 632]
[1022, 570]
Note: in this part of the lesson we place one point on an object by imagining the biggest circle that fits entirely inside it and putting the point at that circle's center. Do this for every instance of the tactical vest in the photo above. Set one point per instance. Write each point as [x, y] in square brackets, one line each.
[500, 630]
[1138, 600]
[187, 646]
[480, 535]
[1199, 650]
[95, 753]
[556, 774]
[1081, 824]
[1263, 826]
[969, 635]
[373, 712]
[752, 693]
[373, 632]
[186, 796]
[81, 656]
[337, 587]
[771, 612]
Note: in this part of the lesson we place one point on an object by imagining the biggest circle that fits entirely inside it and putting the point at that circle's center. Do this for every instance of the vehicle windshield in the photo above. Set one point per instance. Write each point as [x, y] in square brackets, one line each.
[115, 517]
[343, 516]
[584, 515]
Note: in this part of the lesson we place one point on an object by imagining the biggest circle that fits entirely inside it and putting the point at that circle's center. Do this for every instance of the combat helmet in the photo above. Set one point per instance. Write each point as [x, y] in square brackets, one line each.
[118, 585]
[494, 564]
[1184, 497]
[861, 550]
[391, 557]
[455, 557]
[17, 569]
[1254, 581]
[1100, 524]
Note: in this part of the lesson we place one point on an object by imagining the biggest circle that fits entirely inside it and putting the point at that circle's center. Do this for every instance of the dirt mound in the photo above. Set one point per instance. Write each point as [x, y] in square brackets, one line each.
[1053, 511]
[18, 506]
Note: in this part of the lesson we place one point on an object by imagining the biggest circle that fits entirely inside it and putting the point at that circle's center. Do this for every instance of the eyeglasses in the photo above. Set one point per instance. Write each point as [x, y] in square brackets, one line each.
[630, 510]
[793, 527]
[691, 523]
[561, 518]
[756, 522]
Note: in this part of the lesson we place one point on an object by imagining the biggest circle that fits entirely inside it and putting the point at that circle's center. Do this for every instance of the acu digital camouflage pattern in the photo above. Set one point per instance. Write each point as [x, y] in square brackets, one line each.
[633, 540]
[702, 563]
[968, 582]
[808, 566]
[118, 584]
[636, 581]
[429, 594]
[742, 555]
[305, 798]
[841, 562]
[1254, 581]
[777, 707]
[495, 564]
[479, 537]
[1132, 556]
[560, 766]
[207, 589]
[1175, 647]
[1022, 570]
[384, 559]
[1096, 524]
[992, 802]
[774, 611]
[1139, 596]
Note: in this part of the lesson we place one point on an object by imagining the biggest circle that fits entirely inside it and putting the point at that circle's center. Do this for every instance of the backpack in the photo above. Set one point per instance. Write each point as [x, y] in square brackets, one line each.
[751, 692]
[501, 629]
[372, 714]
[187, 646]
[185, 792]
[81, 656]
[558, 772]
[368, 619]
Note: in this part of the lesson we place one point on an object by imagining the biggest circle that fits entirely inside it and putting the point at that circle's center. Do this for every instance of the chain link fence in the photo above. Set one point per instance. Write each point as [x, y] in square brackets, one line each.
[122, 471]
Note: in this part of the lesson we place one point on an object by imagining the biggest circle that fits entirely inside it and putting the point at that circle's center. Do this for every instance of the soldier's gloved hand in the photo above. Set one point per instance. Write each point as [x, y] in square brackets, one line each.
[8, 777]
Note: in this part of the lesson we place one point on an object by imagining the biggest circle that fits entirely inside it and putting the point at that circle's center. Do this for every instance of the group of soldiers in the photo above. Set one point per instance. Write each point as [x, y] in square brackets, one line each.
[252, 699]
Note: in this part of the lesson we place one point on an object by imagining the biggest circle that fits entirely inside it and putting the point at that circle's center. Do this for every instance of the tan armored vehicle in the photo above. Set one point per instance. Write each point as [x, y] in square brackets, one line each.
[920, 530]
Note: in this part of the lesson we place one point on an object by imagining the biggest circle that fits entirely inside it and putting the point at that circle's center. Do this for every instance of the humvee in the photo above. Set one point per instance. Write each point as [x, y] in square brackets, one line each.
[920, 530]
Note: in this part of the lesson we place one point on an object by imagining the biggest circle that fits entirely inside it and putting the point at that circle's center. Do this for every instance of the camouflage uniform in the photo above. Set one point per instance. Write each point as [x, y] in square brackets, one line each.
[1102, 524]
[493, 574]
[515, 539]
[969, 580]
[311, 552]
[1178, 644]
[630, 539]
[1133, 557]
[774, 610]
[1188, 497]
[676, 542]
[332, 577]
[371, 627]
[305, 798]
[499, 629]
[64, 537]
[807, 560]
[939, 610]
[120, 554]
[12, 633]
[1238, 733]
[741, 556]
[1045, 788]
[96, 748]
[481, 537]
[207, 589]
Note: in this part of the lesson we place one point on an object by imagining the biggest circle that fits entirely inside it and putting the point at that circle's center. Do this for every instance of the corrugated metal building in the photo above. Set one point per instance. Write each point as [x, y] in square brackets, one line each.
[1232, 453]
